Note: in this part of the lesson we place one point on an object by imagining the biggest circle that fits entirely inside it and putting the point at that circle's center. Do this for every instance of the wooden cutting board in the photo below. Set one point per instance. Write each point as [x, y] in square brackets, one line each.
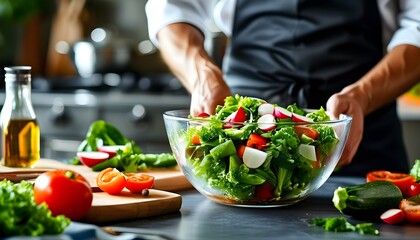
[125, 206]
[165, 179]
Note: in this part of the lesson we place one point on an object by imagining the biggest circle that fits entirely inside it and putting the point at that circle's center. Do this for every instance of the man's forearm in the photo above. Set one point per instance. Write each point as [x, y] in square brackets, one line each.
[397, 72]
[182, 45]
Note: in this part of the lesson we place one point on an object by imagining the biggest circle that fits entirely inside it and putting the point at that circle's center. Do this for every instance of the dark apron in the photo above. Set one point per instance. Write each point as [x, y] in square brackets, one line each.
[303, 51]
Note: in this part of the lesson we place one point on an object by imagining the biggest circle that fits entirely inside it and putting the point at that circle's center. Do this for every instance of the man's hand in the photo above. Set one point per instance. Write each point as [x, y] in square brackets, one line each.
[397, 72]
[209, 89]
[182, 48]
[342, 103]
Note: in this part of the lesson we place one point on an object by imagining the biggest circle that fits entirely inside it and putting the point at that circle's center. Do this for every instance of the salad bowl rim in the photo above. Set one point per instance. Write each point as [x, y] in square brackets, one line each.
[186, 117]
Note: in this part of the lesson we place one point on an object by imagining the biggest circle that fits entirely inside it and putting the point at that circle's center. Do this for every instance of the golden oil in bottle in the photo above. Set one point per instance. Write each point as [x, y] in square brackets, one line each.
[21, 143]
[20, 129]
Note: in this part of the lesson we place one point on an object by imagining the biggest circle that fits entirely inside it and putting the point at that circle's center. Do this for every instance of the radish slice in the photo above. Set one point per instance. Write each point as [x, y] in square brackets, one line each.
[265, 108]
[238, 116]
[266, 122]
[393, 216]
[300, 118]
[203, 115]
[282, 113]
[91, 159]
[111, 150]
[253, 158]
[307, 151]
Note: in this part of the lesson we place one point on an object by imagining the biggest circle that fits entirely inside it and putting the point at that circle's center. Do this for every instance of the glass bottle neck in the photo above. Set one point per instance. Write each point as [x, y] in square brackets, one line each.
[18, 90]
[18, 103]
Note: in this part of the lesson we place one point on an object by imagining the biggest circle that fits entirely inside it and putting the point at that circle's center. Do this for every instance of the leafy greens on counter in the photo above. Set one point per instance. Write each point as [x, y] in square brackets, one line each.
[102, 133]
[340, 224]
[130, 160]
[20, 215]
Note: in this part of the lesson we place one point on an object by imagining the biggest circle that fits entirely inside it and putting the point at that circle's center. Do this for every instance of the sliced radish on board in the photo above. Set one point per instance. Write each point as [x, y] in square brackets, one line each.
[91, 159]
[393, 216]
[111, 150]
[253, 158]
[299, 118]
[266, 122]
[282, 113]
[265, 108]
[307, 151]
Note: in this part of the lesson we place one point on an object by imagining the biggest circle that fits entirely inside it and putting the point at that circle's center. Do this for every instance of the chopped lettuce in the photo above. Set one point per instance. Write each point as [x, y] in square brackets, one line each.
[294, 109]
[326, 140]
[340, 224]
[334, 224]
[319, 115]
[415, 170]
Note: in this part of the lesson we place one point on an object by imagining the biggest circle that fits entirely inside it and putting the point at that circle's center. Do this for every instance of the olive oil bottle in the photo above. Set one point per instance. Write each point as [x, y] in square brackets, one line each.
[20, 129]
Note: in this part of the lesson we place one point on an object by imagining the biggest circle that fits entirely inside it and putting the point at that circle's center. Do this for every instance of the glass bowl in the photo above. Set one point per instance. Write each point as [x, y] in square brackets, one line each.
[294, 167]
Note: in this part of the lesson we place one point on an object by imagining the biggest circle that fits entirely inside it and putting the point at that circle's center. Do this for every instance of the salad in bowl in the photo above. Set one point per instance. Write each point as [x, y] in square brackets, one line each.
[255, 153]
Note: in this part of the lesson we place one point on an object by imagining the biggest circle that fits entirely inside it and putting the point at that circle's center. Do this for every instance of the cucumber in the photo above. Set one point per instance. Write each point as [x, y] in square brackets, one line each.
[367, 201]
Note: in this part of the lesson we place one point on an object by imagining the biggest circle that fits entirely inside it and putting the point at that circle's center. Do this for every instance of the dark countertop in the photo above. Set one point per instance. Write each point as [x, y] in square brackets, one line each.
[200, 218]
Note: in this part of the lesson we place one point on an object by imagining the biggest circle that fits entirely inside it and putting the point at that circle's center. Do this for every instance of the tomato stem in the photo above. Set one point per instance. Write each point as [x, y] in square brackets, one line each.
[70, 175]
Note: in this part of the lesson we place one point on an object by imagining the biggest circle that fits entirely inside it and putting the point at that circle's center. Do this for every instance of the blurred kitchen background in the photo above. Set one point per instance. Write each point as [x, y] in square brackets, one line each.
[92, 59]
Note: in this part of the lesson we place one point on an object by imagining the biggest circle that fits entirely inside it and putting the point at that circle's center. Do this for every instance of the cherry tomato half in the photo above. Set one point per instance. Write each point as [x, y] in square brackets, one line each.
[65, 192]
[111, 180]
[411, 210]
[413, 190]
[402, 180]
[136, 182]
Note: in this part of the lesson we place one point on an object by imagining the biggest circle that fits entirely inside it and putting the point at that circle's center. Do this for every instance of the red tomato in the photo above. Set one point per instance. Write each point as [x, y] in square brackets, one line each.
[264, 191]
[111, 180]
[413, 190]
[402, 180]
[309, 132]
[256, 141]
[65, 192]
[411, 210]
[136, 182]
